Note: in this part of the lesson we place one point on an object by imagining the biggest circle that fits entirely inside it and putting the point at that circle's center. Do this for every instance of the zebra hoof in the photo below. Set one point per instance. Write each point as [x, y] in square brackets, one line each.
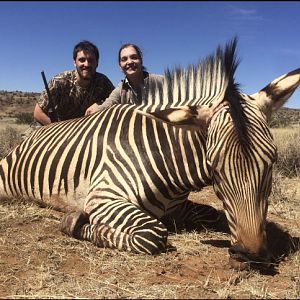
[72, 222]
[170, 247]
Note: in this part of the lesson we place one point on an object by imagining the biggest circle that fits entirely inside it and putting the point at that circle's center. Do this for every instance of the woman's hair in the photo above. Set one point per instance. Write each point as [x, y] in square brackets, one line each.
[138, 51]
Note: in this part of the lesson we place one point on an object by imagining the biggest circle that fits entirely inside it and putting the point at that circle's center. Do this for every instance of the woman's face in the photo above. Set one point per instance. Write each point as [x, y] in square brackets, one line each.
[130, 62]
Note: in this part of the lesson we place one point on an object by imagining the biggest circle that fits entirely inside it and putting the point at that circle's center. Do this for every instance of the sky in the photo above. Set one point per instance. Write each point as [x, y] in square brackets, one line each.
[40, 36]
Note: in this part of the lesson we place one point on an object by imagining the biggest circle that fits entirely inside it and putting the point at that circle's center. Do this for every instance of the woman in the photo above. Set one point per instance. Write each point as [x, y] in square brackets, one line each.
[129, 90]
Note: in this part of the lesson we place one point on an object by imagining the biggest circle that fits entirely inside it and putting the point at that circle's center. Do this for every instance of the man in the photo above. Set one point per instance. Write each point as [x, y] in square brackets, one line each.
[73, 92]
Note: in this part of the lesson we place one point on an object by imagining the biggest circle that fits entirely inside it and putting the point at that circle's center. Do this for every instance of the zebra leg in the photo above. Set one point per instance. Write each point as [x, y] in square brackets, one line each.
[72, 223]
[193, 216]
[118, 224]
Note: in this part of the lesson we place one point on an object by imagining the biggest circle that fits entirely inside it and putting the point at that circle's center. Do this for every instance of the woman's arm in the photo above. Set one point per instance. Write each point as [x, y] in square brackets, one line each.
[114, 98]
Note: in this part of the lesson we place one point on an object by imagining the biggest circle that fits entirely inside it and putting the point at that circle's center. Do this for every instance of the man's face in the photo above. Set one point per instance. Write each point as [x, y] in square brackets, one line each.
[86, 65]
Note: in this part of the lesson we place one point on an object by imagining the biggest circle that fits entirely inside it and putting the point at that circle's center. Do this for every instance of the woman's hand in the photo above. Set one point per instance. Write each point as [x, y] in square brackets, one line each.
[92, 109]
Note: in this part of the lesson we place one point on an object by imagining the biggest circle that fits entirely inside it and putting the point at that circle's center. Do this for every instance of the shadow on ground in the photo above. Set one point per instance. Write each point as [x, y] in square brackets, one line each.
[280, 244]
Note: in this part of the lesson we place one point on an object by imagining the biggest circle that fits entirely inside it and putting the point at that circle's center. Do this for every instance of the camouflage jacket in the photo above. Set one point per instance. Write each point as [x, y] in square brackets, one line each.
[69, 99]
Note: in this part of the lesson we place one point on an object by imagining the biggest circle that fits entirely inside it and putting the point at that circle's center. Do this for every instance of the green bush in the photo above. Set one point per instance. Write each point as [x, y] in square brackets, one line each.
[24, 118]
[280, 123]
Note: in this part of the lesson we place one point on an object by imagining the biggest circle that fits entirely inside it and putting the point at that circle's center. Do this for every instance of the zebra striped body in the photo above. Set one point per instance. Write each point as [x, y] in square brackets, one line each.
[126, 160]
[59, 170]
[127, 171]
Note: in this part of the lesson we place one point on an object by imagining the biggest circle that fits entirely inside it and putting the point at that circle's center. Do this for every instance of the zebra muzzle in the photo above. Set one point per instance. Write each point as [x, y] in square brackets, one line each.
[241, 260]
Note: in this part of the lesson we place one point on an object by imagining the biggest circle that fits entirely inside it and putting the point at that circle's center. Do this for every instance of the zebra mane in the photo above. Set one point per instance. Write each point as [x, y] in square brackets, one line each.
[203, 83]
[197, 84]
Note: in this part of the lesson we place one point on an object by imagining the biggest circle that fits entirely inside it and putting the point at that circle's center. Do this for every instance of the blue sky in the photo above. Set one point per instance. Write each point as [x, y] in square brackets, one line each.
[38, 36]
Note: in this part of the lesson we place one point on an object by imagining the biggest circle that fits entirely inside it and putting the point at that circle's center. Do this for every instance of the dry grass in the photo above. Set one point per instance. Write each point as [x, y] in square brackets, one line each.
[11, 123]
[10, 138]
[288, 143]
[37, 261]
[284, 199]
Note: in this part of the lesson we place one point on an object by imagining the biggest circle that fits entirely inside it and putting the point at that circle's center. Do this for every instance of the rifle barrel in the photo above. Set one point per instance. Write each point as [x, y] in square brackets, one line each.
[52, 112]
[46, 84]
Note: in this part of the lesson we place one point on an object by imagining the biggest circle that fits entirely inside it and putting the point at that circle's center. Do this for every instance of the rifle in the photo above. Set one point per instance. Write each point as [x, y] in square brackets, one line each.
[52, 111]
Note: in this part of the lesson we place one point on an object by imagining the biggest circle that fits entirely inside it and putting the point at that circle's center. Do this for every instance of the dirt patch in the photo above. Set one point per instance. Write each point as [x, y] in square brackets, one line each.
[38, 261]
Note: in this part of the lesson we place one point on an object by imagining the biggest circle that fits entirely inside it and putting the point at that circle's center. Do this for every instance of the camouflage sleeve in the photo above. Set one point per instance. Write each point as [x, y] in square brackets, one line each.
[43, 101]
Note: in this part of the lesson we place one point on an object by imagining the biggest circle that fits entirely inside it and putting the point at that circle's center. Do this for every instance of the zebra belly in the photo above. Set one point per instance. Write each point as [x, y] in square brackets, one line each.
[62, 197]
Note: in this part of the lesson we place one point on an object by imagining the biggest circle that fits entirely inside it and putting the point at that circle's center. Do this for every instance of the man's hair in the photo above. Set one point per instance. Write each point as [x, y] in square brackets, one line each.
[87, 47]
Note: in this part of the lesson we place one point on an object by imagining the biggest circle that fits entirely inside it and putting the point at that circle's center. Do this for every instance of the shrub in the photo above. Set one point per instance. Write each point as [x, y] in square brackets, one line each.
[24, 118]
[285, 117]
[279, 123]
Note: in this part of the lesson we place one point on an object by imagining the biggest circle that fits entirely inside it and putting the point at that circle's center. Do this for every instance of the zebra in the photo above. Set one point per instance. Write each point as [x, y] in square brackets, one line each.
[123, 175]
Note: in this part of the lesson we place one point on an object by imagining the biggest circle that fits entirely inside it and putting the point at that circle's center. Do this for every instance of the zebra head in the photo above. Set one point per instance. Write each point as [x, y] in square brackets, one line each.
[240, 150]
[241, 153]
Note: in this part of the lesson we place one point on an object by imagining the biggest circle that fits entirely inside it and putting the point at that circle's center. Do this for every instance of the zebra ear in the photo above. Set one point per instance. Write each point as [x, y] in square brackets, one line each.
[183, 115]
[197, 116]
[275, 94]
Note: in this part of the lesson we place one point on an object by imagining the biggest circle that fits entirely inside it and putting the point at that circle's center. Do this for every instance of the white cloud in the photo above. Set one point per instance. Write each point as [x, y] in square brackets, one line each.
[244, 14]
[242, 11]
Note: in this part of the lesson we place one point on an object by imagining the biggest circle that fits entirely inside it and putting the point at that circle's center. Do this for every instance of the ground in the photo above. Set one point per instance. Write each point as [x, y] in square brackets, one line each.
[38, 261]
